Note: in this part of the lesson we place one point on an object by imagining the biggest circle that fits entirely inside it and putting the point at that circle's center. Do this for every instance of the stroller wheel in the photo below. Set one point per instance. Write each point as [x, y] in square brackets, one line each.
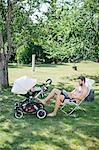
[41, 113]
[16, 104]
[18, 114]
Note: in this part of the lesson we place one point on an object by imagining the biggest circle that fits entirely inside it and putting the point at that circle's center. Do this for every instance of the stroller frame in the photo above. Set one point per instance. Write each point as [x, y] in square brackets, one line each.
[30, 104]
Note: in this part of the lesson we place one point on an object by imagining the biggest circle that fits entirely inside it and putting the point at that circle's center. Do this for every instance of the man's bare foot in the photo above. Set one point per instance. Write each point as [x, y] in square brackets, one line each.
[51, 114]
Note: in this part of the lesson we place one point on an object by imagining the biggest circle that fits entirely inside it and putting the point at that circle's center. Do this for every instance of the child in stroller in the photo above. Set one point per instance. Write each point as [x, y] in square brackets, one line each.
[27, 87]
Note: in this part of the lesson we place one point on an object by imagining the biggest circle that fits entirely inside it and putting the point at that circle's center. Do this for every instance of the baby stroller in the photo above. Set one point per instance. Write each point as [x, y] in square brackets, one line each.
[27, 87]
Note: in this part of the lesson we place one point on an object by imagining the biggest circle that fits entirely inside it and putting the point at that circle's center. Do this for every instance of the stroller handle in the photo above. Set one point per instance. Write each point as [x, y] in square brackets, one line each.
[48, 81]
[44, 87]
[46, 84]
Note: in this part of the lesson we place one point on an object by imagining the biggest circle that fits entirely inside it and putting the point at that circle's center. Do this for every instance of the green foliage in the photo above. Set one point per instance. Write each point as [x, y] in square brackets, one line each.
[71, 31]
[23, 54]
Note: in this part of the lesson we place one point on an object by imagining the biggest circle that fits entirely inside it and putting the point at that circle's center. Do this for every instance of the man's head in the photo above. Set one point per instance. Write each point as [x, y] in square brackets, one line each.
[81, 80]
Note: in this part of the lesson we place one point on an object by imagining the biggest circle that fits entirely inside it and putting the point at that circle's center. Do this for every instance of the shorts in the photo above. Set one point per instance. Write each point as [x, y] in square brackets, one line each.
[67, 98]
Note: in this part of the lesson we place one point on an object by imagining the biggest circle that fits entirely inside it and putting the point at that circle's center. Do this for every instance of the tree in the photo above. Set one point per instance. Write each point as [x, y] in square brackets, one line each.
[3, 51]
[11, 28]
[71, 30]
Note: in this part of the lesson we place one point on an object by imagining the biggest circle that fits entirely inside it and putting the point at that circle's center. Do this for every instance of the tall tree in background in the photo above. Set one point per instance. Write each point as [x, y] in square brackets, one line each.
[5, 17]
[16, 27]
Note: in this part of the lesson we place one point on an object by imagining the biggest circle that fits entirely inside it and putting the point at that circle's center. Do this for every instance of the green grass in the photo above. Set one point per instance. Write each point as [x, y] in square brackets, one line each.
[57, 133]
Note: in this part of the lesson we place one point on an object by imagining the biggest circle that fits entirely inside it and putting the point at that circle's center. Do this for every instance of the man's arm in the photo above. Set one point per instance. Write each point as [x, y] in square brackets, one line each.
[82, 96]
[72, 92]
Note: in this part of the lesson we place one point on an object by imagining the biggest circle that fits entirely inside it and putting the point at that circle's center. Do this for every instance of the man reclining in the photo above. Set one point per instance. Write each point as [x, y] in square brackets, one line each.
[75, 96]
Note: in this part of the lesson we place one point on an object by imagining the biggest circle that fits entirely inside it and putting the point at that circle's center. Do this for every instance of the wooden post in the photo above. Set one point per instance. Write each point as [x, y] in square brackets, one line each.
[33, 62]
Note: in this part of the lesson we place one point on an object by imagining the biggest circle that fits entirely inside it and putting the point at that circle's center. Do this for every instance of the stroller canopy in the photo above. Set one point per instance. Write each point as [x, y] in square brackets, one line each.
[23, 85]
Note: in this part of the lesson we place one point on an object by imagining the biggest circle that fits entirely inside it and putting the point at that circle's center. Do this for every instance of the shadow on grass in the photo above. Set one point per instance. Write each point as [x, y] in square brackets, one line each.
[58, 133]
[18, 65]
[15, 65]
[51, 65]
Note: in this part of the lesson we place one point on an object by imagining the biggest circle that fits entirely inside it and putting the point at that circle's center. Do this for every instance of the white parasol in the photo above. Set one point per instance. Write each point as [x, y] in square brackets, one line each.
[23, 84]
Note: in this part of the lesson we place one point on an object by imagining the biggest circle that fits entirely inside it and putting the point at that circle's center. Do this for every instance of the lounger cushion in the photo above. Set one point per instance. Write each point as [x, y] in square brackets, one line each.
[90, 97]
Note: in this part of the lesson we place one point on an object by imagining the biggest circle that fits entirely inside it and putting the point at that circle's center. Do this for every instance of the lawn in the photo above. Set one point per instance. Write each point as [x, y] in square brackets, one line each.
[58, 133]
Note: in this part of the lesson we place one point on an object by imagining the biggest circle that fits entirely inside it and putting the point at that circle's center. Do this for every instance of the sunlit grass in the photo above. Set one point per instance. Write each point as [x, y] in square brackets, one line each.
[60, 132]
[58, 73]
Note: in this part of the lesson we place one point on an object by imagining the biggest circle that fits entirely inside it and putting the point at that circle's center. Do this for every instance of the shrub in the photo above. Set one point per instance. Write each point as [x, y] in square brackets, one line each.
[24, 55]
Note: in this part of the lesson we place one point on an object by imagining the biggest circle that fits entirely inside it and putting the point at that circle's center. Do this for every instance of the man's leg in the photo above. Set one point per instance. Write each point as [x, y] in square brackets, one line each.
[54, 92]
[60, 99]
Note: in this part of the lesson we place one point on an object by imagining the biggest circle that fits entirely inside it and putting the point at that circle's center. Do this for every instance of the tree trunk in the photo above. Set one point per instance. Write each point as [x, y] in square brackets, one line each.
[3, 65]
[8, 22]
[4, 55]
